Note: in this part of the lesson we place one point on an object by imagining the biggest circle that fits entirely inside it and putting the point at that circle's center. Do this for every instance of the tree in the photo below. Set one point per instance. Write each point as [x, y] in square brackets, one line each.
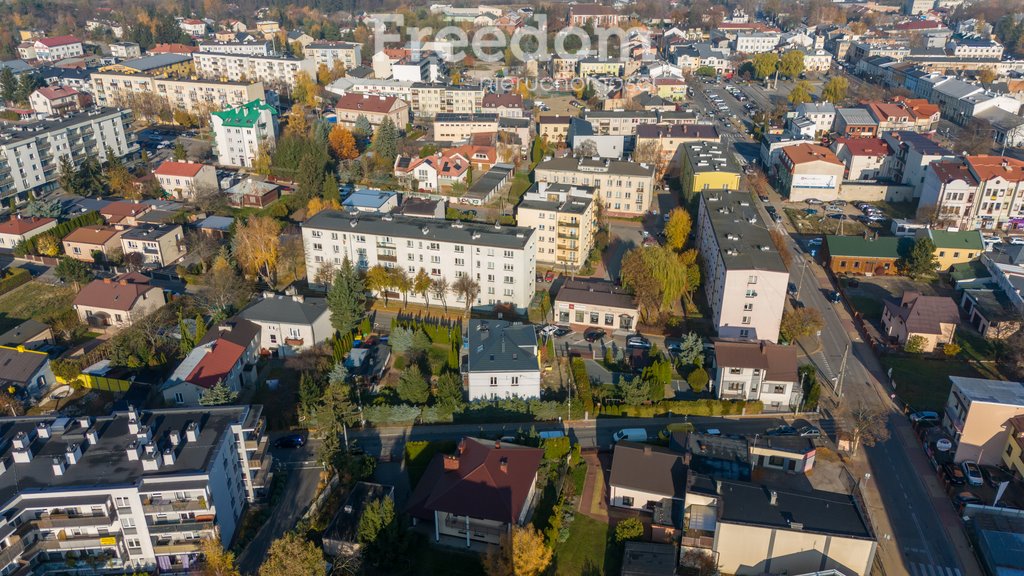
[421, 286]
[346, 299]
[255, 247]
[915, 344]
[381, 532]
[586, 149]
[221, 289]
[412, 387]
[706, 71]
[800, 93]
[401, 281]
[379, 280]
[47, 245]
[439, 287]
[362, 129]
[297, 123]
[629, 529]
[305, 90]
[800, 322]
[691, 349]
[71, 271]
[449, 392]
[951, 350]
[791, 64]
[216, 560]
[677, 230]
[218, 395]
[67, 175]
[865, 424]
[975, 138]
[343, 143]
[291, 555]
[634, 391]
[698, 379]
[318, 204]
[385, 144]
[985, 76]
[835, 89]
[521, 553]
[765, 64]
[8, 84]
[261, 162]
[467, 289]
[920, 261]
[180, 154]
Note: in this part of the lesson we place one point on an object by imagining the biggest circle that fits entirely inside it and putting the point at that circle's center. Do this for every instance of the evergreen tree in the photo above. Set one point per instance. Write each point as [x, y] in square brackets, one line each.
[346, 299]
[27, 84]
[8, 84]
[412, 387]
[362, 129]
[385, 143]
[921, 259]
[218, 395]
[449, 391]
[67, 175]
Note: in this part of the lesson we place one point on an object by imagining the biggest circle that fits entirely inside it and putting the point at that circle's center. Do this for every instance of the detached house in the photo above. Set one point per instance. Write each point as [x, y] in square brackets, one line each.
[87, 242]
[502, 360]
[433, 173]
[934, 318]
[480, 492]
[124, 213]
[17, 229]
[160, 245]
[289, 324]
[226, 355]
[644, 476]
[374, 108]
[757, 371]
[57, 100]
[26, 370]
[183, 179]
[51, 49]
[117, 303]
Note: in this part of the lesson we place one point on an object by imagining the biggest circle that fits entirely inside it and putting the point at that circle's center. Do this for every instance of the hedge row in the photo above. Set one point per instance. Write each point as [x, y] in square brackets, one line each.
[582, 381]
[15, 277]
[504, 410]
[684, 407]
[439, 330]
[58, 232]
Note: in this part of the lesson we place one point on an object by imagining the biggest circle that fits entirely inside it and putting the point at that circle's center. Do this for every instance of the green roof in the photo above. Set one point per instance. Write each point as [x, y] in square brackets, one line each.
[884, 247]
[244, 116]
[972, 270]
[966, 240]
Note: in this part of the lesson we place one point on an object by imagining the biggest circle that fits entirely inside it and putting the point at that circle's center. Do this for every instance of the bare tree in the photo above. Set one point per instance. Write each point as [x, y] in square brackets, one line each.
[866, 425]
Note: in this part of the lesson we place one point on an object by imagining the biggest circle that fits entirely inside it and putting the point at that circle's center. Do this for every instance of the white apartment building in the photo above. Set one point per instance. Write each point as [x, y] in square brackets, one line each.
[757, 371]
[501, 259]
[30, 154]
[565, 218]
[274, 71]
[619, 122]
[193, 27]
[239, 132]
[461, 127]
[129, 492]
[425, 99]
[258, 48]
[125, 50]
[972, 48]
[743, 275]
[350, 54]
[976, 192]
[756, 42]
[51, 49]
[121, 90]
[625, 188]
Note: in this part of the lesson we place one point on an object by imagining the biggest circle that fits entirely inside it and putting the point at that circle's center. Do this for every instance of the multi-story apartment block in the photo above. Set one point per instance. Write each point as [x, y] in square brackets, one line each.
[744, 277]
[565, 218]
[258, 48]
[125, 50]
[911, 154]
[501, 259]
[823, 114]
[671, 140]
[429, 100]
[51, 49]
[192, 96]
[461, 127]
[619, 122]
[275, 71]
[239, 132]
[30, 154]
[708, 165]
[974, 47]
[977, 192]
[594, 14]
[756, 42]
[625, 188]
[350, 54]
[132, 491]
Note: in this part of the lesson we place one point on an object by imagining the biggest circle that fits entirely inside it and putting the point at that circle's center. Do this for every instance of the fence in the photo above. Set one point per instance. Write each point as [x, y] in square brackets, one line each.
[94, 382]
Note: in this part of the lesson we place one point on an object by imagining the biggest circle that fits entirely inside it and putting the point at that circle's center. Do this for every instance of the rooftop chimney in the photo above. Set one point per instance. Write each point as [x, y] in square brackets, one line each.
[175, 437]
[58, 466]
[773, 498]
[168, 456]
[92, 436]
[451, 462]
[43, 429]
[145, 434]
[85, 421]
[23, 455]
[192, 431]
[73, 453]
[22, 440]
[133, 449]
[503, 464]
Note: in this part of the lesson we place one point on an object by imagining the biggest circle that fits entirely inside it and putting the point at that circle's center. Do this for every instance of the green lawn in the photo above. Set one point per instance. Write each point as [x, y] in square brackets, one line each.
[923, 383]
[520, 184]
[590, 549]
[34, 300]
[870, 308]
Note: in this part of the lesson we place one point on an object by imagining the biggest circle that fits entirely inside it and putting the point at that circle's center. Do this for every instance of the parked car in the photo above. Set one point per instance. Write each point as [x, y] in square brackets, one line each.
[1017, 240]
[637, 341]
[835, 297]
[995, 476]
[924, 416]
[548, 330]
[972, 472]
[814, 202]
[814, 242]
[290, 441]
[810, 211]
[965, 498]
[630, 434]
[666, 432]
[594, 334]
[810, 432]
[953, 474]
[562, 331]
[782, 431]
[549, 276]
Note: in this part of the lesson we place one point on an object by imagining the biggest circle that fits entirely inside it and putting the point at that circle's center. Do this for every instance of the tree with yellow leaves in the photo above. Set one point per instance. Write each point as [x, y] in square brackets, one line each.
[677, 229]
[261, 163]
[521, 553]
[216, 560]
[297, 123]
[255, 247]
[343, 144]
[323, 74]
[305, 89]
[47, 245]
[317, 204]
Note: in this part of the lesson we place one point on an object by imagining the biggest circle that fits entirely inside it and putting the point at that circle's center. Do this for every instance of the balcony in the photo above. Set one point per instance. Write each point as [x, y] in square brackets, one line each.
[568, 236]
[192, 526]
[11, 553]
[76, 543]
[158, 506]
[569, 224]
[387, 258]
[178, 547]
[65, 520]
[704, 542]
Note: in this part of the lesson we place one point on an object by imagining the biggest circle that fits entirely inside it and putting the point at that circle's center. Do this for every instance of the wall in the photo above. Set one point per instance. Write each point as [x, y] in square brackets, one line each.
[766, 315]
[755, 550]
[480, 385]
[871, 192]
[640, 498]
[983, 438]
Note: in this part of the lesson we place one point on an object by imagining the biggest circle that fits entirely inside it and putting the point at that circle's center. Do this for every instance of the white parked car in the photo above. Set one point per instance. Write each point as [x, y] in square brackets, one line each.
[1016, 240]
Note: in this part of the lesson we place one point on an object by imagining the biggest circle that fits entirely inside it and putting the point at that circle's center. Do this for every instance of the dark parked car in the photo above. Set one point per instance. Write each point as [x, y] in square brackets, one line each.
[834, 297]
[637, 341]
[290, 441]
[562, 331]
[593, 334]
[953, 474]
[782, 431]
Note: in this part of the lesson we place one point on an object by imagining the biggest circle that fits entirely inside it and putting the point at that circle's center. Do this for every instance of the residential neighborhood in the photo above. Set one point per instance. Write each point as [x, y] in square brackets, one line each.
[638, 288]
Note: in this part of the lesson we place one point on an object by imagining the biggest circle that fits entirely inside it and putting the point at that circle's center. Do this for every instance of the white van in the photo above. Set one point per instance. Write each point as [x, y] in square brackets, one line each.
[631, 434]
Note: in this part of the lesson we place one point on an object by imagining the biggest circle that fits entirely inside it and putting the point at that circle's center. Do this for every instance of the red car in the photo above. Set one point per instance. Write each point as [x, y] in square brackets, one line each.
[550, 276]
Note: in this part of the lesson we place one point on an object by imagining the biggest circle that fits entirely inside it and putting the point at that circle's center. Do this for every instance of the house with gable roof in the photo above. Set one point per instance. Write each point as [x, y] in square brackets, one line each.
[226, 355]
[502, 360]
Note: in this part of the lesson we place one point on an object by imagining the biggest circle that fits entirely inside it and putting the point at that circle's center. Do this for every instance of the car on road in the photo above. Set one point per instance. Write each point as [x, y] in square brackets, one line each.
[810, 432]
[924, 416]
[810, 211]
[877, 218]
[675, 348]
[549, 276]
[814, 202]
[792, 288]
[835, 297]
[562, 331]
[548, 330]
[814, 241]
[972, 472]
[593, 334]
[953, 474]
[638, 341]
[1016, 240]
[290, 441]
[764, 198]
[777, 217]
[630, 434]
[665, 433]
[782, 431]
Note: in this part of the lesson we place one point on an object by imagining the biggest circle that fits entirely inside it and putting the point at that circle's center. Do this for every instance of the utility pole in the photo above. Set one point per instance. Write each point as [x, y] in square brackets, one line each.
[842, 372]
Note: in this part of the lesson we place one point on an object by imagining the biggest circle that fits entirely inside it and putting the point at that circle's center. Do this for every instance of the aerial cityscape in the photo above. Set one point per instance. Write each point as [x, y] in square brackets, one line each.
[542, 288]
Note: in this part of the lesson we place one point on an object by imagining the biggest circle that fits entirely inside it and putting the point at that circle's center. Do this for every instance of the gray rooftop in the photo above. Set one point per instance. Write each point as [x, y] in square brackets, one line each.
[597, 293]
[106, 463]
[447, 117]
[740, 234]
[34, 130]
[709, 156]
[621, 167]
[155, 61]
[151, 232]
[411, 227]
[19, 367]
[22, 332]
[286, 310]
[856, 116]
[497, 346]
[651, 114]
[991, 391]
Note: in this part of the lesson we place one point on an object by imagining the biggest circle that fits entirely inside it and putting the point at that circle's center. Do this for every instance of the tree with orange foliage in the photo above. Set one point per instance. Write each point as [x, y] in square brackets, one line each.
[343, 144]
[317, 204]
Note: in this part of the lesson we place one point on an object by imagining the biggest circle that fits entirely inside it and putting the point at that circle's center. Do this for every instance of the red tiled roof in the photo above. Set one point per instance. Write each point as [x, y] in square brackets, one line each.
[480, 154]
[118, 294]
[20, 226]
[592, 10]
[182, 169]
[803, 153]
[989, 167]
[502, 101]
[216, 364]
[124, 208]
[865, 146]
[366, 102]
[95, 235]
[173, 49]
[953, 170]
[57, 92]
[58, 41]
[192, 22]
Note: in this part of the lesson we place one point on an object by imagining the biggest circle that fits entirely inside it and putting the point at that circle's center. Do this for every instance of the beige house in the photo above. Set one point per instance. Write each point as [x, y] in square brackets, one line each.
[462, 127]
[553, 128]
[565, 217]
[790, 454]
[18, 229]
[976, 416]
[375, 108]
[625, 188]
[810, 171]
[117, 303]
[670, 139]
[751, 529]
[82, 243]
[933, 318]
[591, 303]
[183, 179]
[160, 245]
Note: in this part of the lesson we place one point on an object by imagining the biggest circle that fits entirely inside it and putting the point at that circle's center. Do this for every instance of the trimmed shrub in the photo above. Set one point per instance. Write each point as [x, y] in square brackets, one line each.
[15, 277]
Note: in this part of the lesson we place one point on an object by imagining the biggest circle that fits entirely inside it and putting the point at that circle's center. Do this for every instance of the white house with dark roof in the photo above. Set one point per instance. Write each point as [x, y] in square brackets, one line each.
[289, 324]
[757, 371]
[502, 360]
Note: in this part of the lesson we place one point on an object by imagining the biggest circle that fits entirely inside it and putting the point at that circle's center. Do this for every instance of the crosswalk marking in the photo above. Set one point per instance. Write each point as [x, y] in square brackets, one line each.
[919, 569]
